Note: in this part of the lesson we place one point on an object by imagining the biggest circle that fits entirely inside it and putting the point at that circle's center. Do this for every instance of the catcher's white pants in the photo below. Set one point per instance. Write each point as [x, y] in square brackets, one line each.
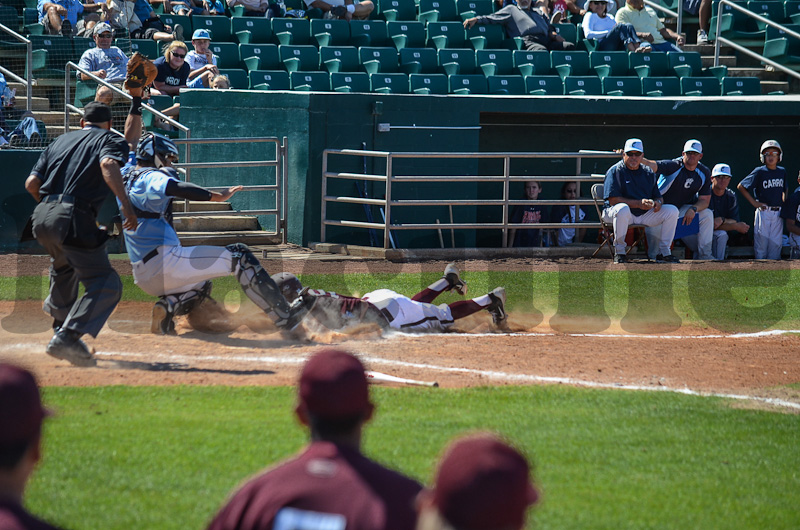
[409, 315]
[179, 269]
[620, 216]
[768, 234]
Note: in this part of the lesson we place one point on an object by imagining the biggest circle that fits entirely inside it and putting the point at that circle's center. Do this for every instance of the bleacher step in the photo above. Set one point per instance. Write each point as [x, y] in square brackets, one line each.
[724, 60]
[250, 238]
[760, 73]
[216, 223]
[774, 86]
[200, 206]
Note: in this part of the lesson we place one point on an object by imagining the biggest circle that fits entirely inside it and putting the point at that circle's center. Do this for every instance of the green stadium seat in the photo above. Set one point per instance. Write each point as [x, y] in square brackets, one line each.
[419, 61]
[791, 9]
[544, 85]
[51, 53]
[227, 54]
[700, 86]
[339, 58]
[457, 61]
[84, 93]
[238, 77]
[378, 59]
[609, 63]
[486, 36]
[369, 33]
[582, 86]
[785, 51]
[685, 64]
[388, 83]
[438, 11]
[445, 35]
[220, 27]
[9, 17]
[495, 62]
[771, 9]
[349, 82]
[294, 31]
[568, 31]
[506, 84]
[310, 81]
[532, 63]
[775, 33]
[570, 63]
[393, 10]
[299, 58]
[741, 86]
[148, 48]
[184, 20]
[661, 86]
[406, 34]
[428, 83]
[269, 80]
[468, 84]
[158, 103]
[653, 64]
[474, 8]
[260, 56]
[81, 44]
[622, 86]
[252, 30]
[330, 32]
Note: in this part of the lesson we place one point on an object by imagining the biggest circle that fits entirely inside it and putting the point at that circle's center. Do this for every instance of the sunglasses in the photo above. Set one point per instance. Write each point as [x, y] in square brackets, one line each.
[179, 56]
[105, 35]
[634, 153]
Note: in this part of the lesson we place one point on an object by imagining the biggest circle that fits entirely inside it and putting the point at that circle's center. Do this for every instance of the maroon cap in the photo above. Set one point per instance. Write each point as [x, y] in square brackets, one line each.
[483, 483]
[333, 386]
[21, 410]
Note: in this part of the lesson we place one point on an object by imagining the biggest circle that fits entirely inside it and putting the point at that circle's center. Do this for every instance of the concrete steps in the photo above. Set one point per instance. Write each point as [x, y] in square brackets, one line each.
[249, 238]
[214, 223]
[218, 230]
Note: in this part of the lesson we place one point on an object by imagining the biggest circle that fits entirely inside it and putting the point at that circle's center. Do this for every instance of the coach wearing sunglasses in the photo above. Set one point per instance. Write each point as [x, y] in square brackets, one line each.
[173, 70]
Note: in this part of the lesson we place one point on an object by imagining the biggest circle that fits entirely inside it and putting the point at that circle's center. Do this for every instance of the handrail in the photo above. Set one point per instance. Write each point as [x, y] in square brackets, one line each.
[387, 203]
[719, 40]
[670, 12]
[28, 65]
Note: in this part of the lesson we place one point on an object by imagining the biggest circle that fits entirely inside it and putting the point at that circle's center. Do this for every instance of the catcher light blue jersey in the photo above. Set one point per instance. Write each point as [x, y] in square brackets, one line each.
[149, 193]
[680, 186]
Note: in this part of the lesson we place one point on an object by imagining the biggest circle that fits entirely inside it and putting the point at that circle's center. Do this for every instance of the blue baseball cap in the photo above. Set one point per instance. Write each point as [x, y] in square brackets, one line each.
[201, 34]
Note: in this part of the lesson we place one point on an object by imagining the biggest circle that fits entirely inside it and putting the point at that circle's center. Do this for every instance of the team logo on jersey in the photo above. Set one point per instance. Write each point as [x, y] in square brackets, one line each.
[688, 183]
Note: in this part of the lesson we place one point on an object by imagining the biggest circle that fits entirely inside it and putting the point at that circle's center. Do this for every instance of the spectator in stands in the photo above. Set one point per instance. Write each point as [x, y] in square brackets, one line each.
[612, 8]
[104, 61]
[529, 213]
[149, 18]
[568, 214]
[610, 36]
[523, 21]
[60, 17]
[631, 196]
[256, 8]
[649, 27]
[344, 9]
[221, 82]
[173, 70]
[726, 210]
[21, 418]
[202, 63]
[198, 7]
[704, 14]
[685, 183]
[330, 483]
[791, 212]
[482, 483]
[559, 9]
[122, 15]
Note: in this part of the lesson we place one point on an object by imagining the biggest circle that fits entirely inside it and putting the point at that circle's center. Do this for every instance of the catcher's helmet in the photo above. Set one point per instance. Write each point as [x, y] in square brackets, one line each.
[157, 149]
[773, 145]
[288, 284]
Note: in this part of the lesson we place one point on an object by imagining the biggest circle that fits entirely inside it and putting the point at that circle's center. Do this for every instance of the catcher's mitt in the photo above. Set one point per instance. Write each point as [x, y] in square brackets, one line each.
[141, 72]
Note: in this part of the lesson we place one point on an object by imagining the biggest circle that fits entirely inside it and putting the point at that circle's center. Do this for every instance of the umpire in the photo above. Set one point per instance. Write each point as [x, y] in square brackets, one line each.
[70, 181]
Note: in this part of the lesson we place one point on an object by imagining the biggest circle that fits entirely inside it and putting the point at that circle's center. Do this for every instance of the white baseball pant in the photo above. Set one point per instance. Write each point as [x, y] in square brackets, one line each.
[768, 234]
[620, 216]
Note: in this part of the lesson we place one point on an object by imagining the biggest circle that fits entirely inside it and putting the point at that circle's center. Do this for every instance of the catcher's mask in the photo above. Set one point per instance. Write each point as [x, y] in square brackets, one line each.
[157, 149]
[288, 284]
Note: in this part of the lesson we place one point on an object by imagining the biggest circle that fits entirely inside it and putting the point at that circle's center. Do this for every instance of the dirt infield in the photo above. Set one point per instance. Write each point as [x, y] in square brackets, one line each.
[254, 354]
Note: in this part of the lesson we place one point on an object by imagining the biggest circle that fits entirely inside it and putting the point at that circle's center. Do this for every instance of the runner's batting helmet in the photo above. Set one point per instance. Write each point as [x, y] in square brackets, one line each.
[288, 284]
[157, 149]
[771, 144]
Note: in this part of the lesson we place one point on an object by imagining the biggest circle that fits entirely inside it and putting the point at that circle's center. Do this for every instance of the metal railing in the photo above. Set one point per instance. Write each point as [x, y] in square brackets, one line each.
[390, 178]
[28, 65]
[679, 15]
[719, 39]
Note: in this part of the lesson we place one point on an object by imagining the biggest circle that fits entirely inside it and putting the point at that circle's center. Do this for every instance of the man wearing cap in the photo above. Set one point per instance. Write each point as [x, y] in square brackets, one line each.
[482, 484]
[201, 61]
[632, 196]
[522, 20]
[104, 61]
[685, 183]
[791, 212]
[70, 181]
[330, 483]
[725, 207]
[21, 417]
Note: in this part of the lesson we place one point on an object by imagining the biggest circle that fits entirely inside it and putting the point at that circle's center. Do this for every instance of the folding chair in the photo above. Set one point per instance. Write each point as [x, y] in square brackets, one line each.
[607, 229]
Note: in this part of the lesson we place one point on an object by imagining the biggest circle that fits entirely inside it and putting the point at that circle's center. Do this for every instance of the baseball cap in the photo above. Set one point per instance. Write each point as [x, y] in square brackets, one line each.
[333, 386]
[483, 483]
[201, 34]
[693, 145]
[102, 27]
[634, 144]
[21, 410]
[721, 169]
[96, 112]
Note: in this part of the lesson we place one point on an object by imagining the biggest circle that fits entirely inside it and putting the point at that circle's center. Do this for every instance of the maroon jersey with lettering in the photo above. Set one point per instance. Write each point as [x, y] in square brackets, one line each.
[326, 486]
[14, 517]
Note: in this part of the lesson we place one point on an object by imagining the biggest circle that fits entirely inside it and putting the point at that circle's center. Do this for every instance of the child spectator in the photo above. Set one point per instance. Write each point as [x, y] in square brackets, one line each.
[568, 214]
[528, 213]
[202, 62]
[766, 188]
[221, 82]
[610, 36]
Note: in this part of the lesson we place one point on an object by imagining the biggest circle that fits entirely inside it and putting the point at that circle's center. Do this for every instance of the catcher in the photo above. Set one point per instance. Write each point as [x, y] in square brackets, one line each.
[391, 310]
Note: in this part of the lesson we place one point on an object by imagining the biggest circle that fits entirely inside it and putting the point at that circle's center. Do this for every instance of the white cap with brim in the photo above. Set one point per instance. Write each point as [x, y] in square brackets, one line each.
[693, 145]
[634, 144]
[102, 27]
[721, 169]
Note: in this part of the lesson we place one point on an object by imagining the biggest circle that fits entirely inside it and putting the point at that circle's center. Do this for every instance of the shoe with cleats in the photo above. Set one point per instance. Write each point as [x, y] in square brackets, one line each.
[67, 346]
[498, 307]
[162, 323]
[453, 277]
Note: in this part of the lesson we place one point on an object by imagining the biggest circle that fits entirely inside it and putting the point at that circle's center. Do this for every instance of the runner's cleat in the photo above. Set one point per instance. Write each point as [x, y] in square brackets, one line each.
[498, 307]
[453, 277]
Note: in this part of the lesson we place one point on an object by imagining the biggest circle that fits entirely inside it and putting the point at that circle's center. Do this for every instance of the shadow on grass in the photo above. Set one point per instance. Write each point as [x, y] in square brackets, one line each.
[174, 367]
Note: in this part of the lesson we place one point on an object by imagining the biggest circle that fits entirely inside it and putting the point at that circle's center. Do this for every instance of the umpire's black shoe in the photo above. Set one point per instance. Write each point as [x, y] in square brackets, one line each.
[498, 307]
[453, 277]
[669, 258]
[162, 323]
[68, 346]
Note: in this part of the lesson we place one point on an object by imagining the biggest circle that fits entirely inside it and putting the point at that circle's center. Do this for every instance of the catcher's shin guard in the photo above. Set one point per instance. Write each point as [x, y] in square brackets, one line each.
[262, 289]
[173, 305]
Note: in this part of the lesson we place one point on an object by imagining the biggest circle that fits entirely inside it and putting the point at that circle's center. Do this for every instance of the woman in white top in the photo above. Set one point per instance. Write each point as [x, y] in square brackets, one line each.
[609, 35]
